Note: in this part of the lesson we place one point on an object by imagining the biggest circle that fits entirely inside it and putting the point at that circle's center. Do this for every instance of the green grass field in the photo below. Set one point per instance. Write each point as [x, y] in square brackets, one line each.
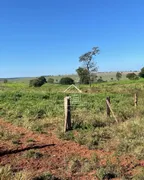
[39, 109]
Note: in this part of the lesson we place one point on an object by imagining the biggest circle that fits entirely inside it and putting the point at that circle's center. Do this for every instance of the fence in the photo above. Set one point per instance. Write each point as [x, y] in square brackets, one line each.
[109, 111]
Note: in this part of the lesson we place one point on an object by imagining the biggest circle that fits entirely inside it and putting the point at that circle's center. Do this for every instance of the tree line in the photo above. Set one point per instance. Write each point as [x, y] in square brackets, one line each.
[87, 72]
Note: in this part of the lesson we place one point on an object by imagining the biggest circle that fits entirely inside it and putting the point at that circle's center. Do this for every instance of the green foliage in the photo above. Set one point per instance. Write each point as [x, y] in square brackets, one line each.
[66, 81]
[6, 173]
[118, 76]
[33, 154]
[40, 108]
[6, 135]
[76, 164]
[141, 74]
[132, 76]
[46, 176]
[66, 136]
[42, 79]
[139, 174]
[83, 75]
[37, 82]
[5, 81]
[87, 59]
[100, 80]
[89, 66]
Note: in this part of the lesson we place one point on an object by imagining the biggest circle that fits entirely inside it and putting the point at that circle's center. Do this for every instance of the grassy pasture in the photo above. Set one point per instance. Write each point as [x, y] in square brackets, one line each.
[106, 76]
[41, 109]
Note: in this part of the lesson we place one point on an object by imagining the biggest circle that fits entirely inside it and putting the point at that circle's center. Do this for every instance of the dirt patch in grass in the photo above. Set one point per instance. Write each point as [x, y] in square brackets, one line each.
[41, 153]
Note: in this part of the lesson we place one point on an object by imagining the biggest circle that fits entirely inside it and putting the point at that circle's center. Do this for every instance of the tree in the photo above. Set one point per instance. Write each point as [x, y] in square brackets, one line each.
[38, 82]
[89, 63]
[141, 74]
[118, 76]
[42, 79]
[66, 80]
[132, 76]
[83, 75]
[50, 80]
[5, 81]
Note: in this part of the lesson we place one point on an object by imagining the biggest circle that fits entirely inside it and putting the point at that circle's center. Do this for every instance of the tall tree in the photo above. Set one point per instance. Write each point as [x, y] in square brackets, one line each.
[88, 62]
[118, 76]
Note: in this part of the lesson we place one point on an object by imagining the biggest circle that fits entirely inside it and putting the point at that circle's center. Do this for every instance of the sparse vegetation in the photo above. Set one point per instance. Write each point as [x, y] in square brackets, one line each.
[39, 109]
[33, 154]
[6, 173]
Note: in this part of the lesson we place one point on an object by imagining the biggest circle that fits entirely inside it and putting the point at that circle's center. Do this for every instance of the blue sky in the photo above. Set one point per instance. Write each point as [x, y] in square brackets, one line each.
[46, 37]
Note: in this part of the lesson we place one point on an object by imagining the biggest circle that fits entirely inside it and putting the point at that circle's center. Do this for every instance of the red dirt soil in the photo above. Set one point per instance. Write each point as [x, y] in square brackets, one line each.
[55, 153]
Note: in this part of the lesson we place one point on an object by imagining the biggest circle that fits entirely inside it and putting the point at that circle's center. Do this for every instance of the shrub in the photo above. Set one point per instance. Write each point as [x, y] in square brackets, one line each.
[141, 74]
[100, 80]
[118, 76]
[67, 80]
[5, 80]
[42, 79]
[132, 76]
[33, 154]
[37, 82]
[46, 176]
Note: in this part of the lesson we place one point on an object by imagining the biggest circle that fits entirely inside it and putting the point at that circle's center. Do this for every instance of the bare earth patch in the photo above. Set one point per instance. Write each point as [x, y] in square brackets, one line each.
[38, 153]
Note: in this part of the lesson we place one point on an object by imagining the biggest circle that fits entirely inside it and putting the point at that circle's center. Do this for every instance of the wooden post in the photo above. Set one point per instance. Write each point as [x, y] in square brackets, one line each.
[135, 99]
[67, 125]
[108, 108]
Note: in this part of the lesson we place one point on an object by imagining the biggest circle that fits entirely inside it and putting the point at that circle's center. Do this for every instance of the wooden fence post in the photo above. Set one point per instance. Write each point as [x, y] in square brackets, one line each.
[67, 109]
[108, 108]
[135, 99]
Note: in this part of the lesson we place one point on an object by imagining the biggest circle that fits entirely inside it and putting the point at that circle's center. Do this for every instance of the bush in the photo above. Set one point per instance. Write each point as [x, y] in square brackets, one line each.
[132, 76]
[5, 80]
[100, 80]
[118, 76]
[67, 80]
[141, 74]
[42, 79]
[37, 82]
[46, 176]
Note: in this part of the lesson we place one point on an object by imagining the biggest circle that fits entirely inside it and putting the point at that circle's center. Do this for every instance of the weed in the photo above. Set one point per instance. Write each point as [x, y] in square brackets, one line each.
[30, 140]
[33, 154]
[6, 173]
[41, 108]
[66, 136]
[46, 176]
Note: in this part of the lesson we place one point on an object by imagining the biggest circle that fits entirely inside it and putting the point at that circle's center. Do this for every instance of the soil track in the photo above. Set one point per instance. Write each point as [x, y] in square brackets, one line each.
[55, 153]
